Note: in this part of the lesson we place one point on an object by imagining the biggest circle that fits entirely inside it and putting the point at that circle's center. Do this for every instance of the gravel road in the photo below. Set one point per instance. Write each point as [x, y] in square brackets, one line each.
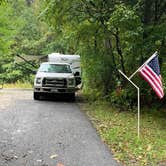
[47, 133]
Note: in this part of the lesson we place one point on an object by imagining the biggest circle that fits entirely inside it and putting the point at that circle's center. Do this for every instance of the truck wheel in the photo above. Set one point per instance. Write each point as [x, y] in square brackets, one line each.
[72, 97]
[36, 96]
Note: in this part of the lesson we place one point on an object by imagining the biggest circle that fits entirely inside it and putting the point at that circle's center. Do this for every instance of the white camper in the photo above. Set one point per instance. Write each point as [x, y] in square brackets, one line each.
[73, 60]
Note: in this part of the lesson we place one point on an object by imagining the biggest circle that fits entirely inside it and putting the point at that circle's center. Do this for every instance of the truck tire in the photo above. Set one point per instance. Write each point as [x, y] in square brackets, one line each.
[36, 96]
[72, 97]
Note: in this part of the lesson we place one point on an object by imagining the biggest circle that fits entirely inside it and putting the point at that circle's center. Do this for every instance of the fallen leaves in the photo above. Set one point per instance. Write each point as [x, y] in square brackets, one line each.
[53, 156]
[59, 164]
[119, 131]
[149, 148]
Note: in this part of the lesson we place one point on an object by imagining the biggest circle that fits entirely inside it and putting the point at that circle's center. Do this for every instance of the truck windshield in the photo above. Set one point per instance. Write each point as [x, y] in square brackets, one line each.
[55, 68]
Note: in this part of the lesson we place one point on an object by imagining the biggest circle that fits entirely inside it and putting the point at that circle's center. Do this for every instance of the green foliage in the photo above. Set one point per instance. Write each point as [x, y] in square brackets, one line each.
[29, 33]
[25, 35]
[19, 84]
[16, 72]
[7, 30]
[109, 35]
[122, 99]
[2, 1]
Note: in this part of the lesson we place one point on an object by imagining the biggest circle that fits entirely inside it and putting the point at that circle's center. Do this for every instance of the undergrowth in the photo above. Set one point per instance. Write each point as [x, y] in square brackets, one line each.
[18, 84]
[119, 131]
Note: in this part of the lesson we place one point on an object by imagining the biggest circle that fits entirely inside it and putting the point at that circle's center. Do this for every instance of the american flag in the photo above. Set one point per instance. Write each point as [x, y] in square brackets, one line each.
[150, 71]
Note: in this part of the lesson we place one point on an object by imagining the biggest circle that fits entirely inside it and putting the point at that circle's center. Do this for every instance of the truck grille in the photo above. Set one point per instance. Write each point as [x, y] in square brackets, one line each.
[55, 82]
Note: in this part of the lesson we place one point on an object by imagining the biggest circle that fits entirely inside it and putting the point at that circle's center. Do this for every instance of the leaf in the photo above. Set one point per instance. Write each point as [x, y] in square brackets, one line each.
[59, 164]
[16, 157]
[53, 156]
[149, 147]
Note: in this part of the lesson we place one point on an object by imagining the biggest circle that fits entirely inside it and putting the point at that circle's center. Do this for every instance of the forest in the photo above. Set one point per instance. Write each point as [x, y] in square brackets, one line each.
[107, 34]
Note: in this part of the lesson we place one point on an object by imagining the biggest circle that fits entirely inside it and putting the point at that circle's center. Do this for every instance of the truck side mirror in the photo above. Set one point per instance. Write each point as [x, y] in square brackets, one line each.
[77, 77]
[34, 71]
[76, 73]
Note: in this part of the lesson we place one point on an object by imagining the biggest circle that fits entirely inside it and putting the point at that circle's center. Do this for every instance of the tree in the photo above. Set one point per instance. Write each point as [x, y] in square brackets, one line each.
[7, 30]
[108, 35]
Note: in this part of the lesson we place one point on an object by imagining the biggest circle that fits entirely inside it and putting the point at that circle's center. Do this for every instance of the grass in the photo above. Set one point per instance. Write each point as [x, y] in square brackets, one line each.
[18, 84]
[119, 131]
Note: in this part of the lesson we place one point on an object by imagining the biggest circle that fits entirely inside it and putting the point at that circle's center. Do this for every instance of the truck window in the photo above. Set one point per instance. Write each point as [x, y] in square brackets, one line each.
[55, 68]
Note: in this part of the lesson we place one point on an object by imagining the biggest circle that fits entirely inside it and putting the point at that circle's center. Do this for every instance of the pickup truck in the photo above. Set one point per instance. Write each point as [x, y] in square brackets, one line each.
[56, 78]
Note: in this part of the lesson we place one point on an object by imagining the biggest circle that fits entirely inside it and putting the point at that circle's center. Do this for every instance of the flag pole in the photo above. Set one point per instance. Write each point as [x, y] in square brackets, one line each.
[147, 61]
[138, 128]
[138, 104]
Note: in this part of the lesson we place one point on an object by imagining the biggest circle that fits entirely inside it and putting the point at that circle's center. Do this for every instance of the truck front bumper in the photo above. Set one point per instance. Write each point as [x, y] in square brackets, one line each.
[54, 90]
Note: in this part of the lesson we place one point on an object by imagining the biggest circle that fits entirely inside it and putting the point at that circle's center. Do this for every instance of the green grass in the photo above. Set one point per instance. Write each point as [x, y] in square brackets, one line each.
[119, 131]
[18, 84]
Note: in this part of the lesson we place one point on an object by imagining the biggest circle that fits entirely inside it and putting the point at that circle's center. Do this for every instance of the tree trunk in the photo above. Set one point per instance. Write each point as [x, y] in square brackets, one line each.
[119, 50]
[147, 11]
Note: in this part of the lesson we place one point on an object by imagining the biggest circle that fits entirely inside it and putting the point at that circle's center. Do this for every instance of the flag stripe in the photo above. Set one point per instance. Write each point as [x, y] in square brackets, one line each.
[150, 75]
[151, 83]
[157, 86]
[154, 74]
[151, 79]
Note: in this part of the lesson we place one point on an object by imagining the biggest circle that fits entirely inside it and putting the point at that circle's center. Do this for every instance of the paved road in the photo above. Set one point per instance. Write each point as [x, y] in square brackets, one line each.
[47, 133]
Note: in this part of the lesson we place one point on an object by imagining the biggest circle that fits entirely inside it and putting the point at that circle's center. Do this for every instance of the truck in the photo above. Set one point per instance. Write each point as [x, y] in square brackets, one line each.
[61, 74]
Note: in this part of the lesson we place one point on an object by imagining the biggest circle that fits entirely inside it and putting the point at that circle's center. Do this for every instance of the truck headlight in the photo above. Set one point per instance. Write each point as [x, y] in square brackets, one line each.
[38, 80]
[71, 82]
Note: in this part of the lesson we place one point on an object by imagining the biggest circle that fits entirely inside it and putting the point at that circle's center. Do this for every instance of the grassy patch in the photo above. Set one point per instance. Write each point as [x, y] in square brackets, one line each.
[119, 131]
[18, 85]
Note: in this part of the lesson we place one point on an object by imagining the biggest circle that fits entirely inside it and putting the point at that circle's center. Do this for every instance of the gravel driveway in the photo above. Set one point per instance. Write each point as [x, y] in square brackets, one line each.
[47, 133]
